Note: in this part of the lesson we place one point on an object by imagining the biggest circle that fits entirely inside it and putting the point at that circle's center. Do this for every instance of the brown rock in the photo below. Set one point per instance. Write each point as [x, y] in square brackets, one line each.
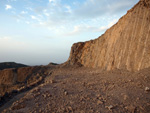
[147, 89]
[66, 93]
[44, 95]
[125, 97]
[131, 109]
[110, 107]
[99, 102]
[18, 106]
[52, 81]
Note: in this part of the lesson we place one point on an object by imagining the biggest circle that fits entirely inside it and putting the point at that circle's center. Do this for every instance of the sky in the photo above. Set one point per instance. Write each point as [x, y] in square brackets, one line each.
[37, 32]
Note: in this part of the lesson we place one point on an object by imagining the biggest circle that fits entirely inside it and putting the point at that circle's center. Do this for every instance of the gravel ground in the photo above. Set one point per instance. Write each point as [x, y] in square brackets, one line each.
[85, 90]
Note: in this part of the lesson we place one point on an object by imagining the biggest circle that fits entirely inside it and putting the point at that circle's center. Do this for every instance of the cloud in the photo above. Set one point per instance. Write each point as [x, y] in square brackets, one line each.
[8, 7]
[13, 0]
[5, 38]
[90, 9]
[51, 1]
[46, 13]
[96, 8]
[19, 17]
[27, 22]
[104, 28]
[86, 28]
[24, 12]
[35, 18]
[69, 10]
[74, 17]
[54, 2]
[29, 8]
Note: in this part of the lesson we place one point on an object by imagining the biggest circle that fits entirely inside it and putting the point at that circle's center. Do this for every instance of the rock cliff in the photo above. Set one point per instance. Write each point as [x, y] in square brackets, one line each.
[126, 45]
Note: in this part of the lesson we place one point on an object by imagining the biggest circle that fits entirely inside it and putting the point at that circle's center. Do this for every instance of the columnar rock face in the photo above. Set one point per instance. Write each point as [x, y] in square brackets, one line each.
[126, 45]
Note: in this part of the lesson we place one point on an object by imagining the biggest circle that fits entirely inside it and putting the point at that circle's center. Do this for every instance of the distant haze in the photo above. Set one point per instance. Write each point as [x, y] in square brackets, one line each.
[42, 31]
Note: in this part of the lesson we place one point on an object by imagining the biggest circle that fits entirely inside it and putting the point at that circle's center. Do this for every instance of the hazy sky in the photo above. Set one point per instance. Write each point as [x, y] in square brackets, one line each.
[36, 32]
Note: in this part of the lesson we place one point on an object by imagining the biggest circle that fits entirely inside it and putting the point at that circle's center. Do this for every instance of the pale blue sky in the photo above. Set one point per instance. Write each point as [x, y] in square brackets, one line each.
[36, 32]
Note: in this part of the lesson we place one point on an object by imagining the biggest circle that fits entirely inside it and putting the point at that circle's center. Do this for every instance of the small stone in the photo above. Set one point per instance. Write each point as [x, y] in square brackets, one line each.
[98, 95]
[42, 85]
[130, 80]
[99, 102]
[49, 95]
[100, 98]
[45, 73]
[38, 93]
[131, 109]
[138, 98]
[40, 110]
[147, 89]
[44, 95]
[76, 79]
[88, 98]
[70, 108]
[84, 84]
[110, 107]
[66, 93]
[125, 97]
[53, 81]
[37, 104]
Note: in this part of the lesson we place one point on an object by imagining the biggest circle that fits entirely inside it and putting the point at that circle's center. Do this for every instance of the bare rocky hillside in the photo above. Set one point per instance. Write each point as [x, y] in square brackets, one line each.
[126, 45]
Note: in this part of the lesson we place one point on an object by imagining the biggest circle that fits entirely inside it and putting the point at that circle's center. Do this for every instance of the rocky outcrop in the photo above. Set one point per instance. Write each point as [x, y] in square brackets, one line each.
[126, 45]
[18, 79]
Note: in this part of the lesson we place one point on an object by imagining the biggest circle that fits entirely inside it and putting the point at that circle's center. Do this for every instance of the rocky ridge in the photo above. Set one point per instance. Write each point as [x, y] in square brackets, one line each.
[6, 65]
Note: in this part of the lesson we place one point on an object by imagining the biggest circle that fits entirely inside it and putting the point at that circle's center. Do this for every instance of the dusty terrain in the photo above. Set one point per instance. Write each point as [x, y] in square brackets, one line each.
[85, 90]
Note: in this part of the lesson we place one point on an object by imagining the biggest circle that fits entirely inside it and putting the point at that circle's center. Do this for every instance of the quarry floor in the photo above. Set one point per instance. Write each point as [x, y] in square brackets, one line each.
[86, 90]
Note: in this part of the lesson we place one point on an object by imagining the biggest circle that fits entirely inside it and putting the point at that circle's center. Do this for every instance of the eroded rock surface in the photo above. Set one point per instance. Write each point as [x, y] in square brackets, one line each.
[18, 79]
[126, 45]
